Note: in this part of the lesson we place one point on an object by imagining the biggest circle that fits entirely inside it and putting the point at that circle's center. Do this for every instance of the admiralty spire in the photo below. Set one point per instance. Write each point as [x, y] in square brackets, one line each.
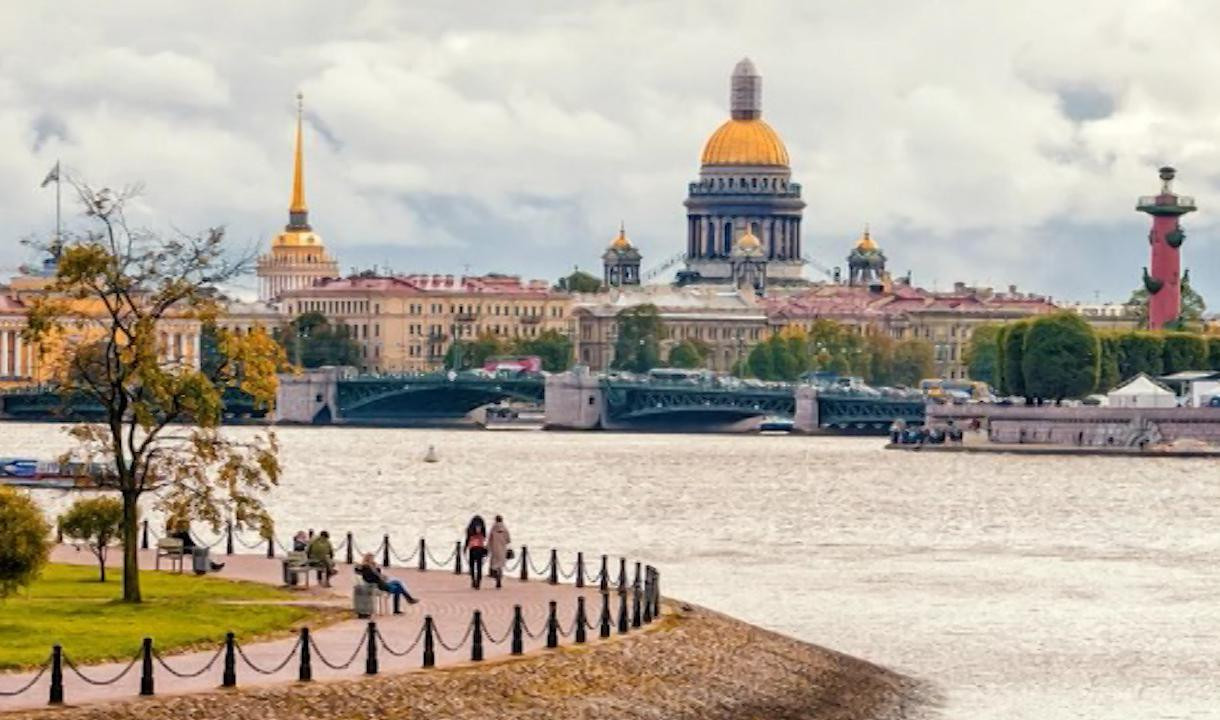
[744, 189]
[298, 258]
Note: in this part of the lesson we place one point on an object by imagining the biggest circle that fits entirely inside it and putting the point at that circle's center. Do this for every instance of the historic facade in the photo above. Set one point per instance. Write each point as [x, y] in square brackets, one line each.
[408, 323]
[298, 258]
[744, 187]
[866, 263]
[621, 262]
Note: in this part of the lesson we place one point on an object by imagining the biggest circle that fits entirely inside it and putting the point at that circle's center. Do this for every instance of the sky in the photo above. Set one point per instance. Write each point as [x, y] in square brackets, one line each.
[990, 143]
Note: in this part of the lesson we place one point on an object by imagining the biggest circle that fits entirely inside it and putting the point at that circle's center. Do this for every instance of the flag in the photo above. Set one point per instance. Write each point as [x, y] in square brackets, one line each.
[52, 177]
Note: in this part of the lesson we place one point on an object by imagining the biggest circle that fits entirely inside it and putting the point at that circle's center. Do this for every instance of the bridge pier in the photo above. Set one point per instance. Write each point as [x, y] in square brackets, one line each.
[805, 419]
[574, 401]
[309, 397]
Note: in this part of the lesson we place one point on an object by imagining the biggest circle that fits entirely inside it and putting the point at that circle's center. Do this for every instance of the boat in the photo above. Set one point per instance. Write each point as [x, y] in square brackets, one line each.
[25, 472]
[431, 456]
[775, 424]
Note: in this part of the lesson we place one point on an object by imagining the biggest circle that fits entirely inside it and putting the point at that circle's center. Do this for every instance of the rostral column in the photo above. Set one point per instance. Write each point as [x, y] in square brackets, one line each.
[1164, 282]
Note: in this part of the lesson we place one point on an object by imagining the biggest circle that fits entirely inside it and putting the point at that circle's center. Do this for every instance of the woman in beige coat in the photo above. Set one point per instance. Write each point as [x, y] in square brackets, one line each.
[498, 549]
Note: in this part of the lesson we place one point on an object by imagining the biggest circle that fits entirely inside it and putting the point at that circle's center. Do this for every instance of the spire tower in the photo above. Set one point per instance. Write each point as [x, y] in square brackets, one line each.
[1164, 282]
[298, 212]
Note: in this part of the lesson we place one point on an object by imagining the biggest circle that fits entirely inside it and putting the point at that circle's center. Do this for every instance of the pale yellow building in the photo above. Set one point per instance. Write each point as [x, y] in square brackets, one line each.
[298, 258]
[408, 323]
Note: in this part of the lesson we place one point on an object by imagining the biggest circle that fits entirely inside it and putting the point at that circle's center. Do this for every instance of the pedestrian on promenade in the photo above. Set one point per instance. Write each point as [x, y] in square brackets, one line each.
[321, 554]
[373, 575]
[300, 541]
[498, 549]
[476, 549]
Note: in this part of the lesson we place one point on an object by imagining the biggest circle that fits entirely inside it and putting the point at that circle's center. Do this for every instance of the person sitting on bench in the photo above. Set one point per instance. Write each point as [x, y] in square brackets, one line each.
[179, 529]
[371, 574]
[321, 555]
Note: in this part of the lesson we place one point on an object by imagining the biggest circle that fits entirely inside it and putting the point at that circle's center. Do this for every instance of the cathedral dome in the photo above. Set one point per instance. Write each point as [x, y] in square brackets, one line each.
[745, 142]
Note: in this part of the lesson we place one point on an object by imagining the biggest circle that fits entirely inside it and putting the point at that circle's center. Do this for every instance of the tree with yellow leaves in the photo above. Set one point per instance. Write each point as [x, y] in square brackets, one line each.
[113, 287]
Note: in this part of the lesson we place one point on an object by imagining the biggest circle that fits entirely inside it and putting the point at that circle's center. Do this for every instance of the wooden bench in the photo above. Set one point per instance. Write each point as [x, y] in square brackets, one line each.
[296, 564]
[172, 549]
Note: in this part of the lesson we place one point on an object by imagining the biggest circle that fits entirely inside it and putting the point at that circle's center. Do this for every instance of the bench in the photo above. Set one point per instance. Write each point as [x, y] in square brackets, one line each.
[172, 549]
[296, 564]
[368, 599]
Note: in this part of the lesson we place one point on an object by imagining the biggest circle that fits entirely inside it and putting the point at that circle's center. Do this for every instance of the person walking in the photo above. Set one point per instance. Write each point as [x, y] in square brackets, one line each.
[373, 575]
[476, 549]
[498, 549]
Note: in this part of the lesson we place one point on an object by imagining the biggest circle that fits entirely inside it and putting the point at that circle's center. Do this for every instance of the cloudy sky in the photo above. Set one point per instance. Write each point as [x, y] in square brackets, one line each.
[992, 143]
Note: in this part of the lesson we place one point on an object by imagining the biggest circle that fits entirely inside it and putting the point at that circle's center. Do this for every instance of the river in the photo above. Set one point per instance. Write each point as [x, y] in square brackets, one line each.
[1023, 587]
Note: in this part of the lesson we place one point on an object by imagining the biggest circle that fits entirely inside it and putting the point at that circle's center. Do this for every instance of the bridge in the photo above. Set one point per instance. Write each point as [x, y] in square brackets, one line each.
[575, 400]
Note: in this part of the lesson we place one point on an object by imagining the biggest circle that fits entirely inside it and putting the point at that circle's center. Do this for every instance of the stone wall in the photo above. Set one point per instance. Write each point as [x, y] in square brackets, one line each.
[1086, 426]
[574, 401]
[299, 398]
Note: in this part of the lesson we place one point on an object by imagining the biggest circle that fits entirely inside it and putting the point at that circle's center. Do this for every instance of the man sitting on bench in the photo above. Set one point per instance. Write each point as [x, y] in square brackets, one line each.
[181, 530]
[321, 554]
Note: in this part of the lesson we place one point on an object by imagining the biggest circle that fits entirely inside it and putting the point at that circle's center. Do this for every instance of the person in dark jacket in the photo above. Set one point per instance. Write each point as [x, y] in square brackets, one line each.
[178, 529]
[371, 574]
[476, 549]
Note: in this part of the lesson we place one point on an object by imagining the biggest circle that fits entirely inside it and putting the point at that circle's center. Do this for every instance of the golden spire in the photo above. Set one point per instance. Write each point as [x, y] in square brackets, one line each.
[866, 242]
[621, 242]
[298, 170]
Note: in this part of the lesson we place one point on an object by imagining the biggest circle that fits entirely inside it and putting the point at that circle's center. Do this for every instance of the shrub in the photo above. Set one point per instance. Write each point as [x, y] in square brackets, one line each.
[96, 522]
[24, 544]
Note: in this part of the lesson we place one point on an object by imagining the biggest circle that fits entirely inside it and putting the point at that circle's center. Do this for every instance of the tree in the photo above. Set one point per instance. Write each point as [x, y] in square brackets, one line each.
[982, 354]
[1060, 357]
[473, 353]
[913, 361]
[1184, 351]
[689, 353]
[760, 362]
[311, 341]
[579, 282]
[23, 541]
[1013, 353]
[1213, 352]
[1108, 375]
[114, 287]
[97, 522]
[1140, 351]
[638, 346]
[879, 348]
[1001, 361]
[552, 346]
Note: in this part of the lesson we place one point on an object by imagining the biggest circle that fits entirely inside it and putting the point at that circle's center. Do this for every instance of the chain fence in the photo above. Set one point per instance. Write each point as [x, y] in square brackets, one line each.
[94, 681]
[187, 675]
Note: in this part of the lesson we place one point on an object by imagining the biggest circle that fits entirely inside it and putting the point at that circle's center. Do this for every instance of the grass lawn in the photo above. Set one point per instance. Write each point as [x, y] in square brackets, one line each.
[68, 606]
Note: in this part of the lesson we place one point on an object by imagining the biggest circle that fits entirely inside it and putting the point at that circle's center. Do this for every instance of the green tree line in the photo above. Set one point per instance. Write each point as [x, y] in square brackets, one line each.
[1059, 356]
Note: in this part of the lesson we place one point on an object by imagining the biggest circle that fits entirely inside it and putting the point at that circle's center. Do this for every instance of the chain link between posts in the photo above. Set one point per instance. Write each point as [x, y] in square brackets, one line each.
[407, 559]
[33, 681]
[385, 646]
[492, 639]
[446, 561]
[460, 644]
[341, 666]
[263, 671]
[185, 675]
[94, 681]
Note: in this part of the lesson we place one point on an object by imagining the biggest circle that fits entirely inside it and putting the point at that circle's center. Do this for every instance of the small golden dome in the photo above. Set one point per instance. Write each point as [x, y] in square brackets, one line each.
[866, 243]
[621, 242]
[297, 238]
[748, 242]
[745, 142]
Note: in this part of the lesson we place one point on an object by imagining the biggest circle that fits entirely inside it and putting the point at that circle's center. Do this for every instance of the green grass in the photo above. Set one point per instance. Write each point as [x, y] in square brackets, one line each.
[68, 606]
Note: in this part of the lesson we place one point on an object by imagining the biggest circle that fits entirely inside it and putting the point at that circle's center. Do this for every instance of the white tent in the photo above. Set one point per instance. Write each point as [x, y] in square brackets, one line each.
[1142, 391]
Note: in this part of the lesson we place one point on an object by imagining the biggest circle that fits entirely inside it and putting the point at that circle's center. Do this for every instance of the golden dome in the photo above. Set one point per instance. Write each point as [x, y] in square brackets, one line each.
[745, 142]
[621, 242]
[748, 242]
[866, 243]
[298, 238]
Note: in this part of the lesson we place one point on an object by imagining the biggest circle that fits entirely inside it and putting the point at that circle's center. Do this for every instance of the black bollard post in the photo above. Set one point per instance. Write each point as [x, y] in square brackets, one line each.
[476, 645]
[656, 593]
[370, 657]
[397, 603]
[457, 557]
[552, 625]
[59, 533]
[604, 579]
[429, 643]
[636, 583]
[229, 538]
[635, 607]
[554, 567]
[270, 546]
[582, 621]
[622, 575]
[605, 619]
[350, 548]
[624, 622]
[525, 563]
[229, 678]
[518, 645]
[648, 595]
[146, 668]
[144, 536]
[57, 676]
[385, 551]
[423, 554]
[580, 569]
[305, 674]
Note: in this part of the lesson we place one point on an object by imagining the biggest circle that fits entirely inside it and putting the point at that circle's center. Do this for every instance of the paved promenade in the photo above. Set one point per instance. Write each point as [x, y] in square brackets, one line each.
[445, 596]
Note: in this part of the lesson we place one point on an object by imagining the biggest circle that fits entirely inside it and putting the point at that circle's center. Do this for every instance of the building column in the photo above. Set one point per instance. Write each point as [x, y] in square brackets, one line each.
[18, 366]
[197, 361]
[4, 353]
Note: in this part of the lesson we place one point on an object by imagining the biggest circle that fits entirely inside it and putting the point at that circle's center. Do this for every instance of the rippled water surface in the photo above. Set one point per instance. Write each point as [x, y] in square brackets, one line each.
[1023, 587]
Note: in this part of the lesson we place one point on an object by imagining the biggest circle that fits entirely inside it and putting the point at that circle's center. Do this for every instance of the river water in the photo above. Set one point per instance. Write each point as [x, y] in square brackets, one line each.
[1023, 587]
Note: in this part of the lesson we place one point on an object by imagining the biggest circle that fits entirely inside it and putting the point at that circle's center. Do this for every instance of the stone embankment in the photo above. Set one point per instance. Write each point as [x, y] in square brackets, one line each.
[692, 664]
